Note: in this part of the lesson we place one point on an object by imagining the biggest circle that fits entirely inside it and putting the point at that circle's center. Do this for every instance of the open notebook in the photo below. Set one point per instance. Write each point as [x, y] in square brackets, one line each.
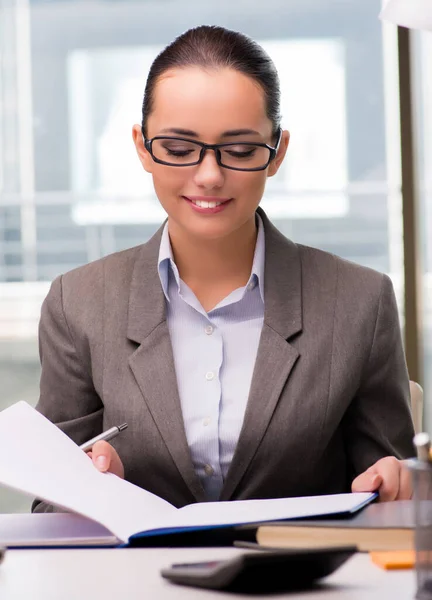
[37, 458]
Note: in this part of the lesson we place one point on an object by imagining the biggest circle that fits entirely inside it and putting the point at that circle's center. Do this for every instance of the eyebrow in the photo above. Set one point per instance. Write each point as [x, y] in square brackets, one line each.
[225, 134]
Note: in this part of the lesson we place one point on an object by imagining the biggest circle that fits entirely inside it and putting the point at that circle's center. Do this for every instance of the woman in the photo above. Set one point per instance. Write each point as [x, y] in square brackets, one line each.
[246, 366]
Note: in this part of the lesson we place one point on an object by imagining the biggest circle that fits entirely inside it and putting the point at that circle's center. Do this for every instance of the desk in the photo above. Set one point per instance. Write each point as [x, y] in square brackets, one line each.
[134, 574]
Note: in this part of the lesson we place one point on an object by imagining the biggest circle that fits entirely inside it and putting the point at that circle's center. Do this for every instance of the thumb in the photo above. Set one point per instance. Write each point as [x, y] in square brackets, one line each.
[101, 455]
[368, 481]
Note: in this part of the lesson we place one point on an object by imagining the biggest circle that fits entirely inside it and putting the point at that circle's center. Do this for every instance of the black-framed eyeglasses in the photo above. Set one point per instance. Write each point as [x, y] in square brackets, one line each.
[239, 156]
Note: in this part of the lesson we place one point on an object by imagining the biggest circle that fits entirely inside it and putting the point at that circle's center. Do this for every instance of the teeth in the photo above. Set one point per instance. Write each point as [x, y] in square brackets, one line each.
[205, 204]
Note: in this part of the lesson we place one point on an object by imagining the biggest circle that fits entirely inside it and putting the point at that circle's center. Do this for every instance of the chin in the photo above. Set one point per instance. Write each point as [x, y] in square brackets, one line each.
[209, 231]
[209, 227]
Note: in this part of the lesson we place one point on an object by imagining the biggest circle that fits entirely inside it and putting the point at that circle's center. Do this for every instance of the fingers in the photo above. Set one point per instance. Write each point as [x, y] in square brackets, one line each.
[389, 469]
[405, 485]
[369, 481]
[389, 477]
[101, 455]
[105, 458]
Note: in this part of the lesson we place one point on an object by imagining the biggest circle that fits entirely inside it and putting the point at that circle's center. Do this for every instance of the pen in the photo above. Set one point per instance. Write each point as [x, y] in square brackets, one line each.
[422, 443]
[106, 435]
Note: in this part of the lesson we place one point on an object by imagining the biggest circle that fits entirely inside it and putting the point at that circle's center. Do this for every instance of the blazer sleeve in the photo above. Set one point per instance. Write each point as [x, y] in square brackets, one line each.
[67, 394]
[378, 422]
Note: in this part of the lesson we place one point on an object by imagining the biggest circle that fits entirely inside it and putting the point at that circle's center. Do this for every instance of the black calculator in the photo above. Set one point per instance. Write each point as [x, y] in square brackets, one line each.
[262, 571]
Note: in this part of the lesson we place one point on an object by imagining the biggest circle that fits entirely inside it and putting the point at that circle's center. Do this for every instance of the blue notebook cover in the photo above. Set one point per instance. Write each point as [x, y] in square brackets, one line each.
[210, 535]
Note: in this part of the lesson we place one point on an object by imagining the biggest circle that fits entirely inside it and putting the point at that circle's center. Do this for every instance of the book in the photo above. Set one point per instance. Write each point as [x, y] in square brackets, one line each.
[52, 530]
[37, 451]
[379, 527]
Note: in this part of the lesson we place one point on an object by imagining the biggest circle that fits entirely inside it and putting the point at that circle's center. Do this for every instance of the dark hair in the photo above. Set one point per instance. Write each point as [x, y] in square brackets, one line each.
[210, 46]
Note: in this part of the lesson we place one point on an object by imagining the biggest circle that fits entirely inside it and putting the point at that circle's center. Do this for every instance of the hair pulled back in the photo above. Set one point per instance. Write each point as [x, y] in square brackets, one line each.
[214, 47]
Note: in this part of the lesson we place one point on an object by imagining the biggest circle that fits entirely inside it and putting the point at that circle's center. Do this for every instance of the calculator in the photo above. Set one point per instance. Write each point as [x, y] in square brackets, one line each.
[262, 571]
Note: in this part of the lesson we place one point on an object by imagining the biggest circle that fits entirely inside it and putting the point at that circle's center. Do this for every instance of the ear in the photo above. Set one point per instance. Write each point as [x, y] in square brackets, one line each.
[282, 150]
[143, 154]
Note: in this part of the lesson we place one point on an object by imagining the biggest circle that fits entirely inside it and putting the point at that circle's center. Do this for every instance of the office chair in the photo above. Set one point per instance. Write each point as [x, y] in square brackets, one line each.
[416, 392]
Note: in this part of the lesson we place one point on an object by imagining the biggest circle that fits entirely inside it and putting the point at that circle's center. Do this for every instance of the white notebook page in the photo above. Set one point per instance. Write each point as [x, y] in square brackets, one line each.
[37, 458]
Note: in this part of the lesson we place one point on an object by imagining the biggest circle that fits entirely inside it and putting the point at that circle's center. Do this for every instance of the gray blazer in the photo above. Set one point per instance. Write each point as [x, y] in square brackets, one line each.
[329, 394]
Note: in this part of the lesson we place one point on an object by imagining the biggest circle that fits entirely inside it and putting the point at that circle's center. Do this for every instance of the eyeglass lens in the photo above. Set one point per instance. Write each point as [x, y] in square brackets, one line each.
[180, 152]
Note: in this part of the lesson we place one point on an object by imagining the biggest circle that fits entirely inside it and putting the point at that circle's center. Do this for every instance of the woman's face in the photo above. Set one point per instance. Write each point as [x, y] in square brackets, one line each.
[208, 106]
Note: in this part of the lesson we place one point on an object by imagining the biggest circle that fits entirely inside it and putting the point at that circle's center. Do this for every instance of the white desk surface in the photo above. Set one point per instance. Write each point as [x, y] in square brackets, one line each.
[134, 574]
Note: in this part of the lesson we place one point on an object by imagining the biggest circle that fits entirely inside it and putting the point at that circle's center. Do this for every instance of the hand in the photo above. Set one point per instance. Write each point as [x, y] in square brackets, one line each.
[106, 459]
[389, 477]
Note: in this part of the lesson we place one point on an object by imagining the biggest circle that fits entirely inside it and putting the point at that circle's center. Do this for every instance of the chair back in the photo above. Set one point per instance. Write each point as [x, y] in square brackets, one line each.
[416, 392]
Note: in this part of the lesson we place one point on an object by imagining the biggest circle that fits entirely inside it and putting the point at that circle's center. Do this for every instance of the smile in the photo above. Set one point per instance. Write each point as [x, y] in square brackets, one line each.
[207, 205]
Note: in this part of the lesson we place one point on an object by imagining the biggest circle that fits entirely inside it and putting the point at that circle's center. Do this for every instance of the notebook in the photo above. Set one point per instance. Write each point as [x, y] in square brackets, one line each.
[52, 530]
[37, 452]
[379, 527]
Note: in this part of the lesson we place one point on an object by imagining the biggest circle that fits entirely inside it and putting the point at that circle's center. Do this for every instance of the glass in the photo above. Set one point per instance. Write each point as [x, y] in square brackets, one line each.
[72, 77]
[422, 484]
[238, 156]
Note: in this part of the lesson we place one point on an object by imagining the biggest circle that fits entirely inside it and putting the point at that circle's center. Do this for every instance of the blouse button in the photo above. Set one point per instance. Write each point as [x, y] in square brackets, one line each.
[209, 330]
[210, 376]
[208, 469]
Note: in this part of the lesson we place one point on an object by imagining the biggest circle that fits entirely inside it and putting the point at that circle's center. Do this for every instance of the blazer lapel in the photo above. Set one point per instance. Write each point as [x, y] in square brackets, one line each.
[275, 357]
[153, 364]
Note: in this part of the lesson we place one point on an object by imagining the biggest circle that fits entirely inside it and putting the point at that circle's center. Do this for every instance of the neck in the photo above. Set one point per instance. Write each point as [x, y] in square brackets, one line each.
[206, 263]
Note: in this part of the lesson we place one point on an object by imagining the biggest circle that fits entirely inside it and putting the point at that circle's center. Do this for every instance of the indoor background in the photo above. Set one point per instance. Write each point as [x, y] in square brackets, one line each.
[72, 75]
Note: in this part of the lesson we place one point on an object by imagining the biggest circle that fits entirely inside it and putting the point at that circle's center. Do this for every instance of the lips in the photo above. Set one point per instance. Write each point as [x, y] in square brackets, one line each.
[207, 205]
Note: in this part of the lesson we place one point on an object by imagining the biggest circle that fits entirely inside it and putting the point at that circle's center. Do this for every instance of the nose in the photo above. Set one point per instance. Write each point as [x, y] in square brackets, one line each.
[209, 174]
